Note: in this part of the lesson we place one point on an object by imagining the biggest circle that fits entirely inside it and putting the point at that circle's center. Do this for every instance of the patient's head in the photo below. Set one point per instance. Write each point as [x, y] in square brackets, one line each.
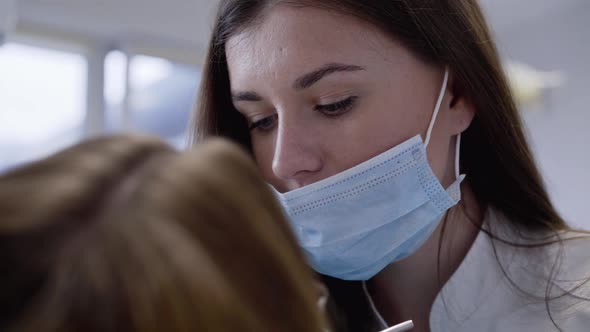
[126, 234]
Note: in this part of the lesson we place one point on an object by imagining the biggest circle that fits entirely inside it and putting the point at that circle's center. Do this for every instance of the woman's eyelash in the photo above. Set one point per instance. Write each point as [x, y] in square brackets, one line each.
[263, 124]
[337, 107]
[334, 109]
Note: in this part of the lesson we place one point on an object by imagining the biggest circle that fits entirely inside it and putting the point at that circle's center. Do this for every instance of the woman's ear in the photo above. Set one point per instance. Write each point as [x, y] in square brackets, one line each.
[462, 110]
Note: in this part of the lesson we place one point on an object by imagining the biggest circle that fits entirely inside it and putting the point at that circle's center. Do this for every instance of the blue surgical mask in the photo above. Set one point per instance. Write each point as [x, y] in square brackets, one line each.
[355, 223]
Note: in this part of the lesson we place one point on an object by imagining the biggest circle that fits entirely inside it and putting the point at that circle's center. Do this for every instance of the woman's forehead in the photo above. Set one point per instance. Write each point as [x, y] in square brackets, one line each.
[290, 40]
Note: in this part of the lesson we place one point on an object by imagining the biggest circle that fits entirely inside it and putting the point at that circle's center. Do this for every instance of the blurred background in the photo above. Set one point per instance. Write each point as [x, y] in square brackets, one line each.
[71, 69]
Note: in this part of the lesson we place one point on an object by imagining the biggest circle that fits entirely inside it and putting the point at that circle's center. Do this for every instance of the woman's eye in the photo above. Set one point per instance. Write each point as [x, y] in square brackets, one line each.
[264, 124]
[337, 108]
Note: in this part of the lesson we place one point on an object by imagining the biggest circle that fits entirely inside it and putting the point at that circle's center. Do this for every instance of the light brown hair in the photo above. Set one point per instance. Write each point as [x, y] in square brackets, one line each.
[126, 234]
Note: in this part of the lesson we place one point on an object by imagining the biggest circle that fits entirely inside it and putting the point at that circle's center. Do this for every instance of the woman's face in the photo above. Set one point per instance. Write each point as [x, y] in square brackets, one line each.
[324, 92]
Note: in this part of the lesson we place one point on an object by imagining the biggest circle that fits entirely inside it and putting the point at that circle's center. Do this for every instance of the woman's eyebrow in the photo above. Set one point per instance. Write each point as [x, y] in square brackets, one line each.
[302, 82]
[313, 77]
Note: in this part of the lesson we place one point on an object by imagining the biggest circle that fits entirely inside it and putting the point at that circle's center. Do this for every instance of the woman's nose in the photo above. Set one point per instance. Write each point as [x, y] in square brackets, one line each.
[297, 153]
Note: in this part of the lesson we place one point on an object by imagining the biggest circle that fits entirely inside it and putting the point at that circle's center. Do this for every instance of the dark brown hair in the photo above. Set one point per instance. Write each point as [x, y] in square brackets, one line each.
[452, 33]
[126, 234]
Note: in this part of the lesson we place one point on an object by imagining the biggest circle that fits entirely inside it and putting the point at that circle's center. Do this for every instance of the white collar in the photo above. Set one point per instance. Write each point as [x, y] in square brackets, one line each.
[501, 287]
[478, 292]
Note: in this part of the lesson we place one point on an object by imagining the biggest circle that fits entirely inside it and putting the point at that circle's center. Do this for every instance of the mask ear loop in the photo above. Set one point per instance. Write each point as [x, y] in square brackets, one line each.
[441, 96]
[457, 152]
